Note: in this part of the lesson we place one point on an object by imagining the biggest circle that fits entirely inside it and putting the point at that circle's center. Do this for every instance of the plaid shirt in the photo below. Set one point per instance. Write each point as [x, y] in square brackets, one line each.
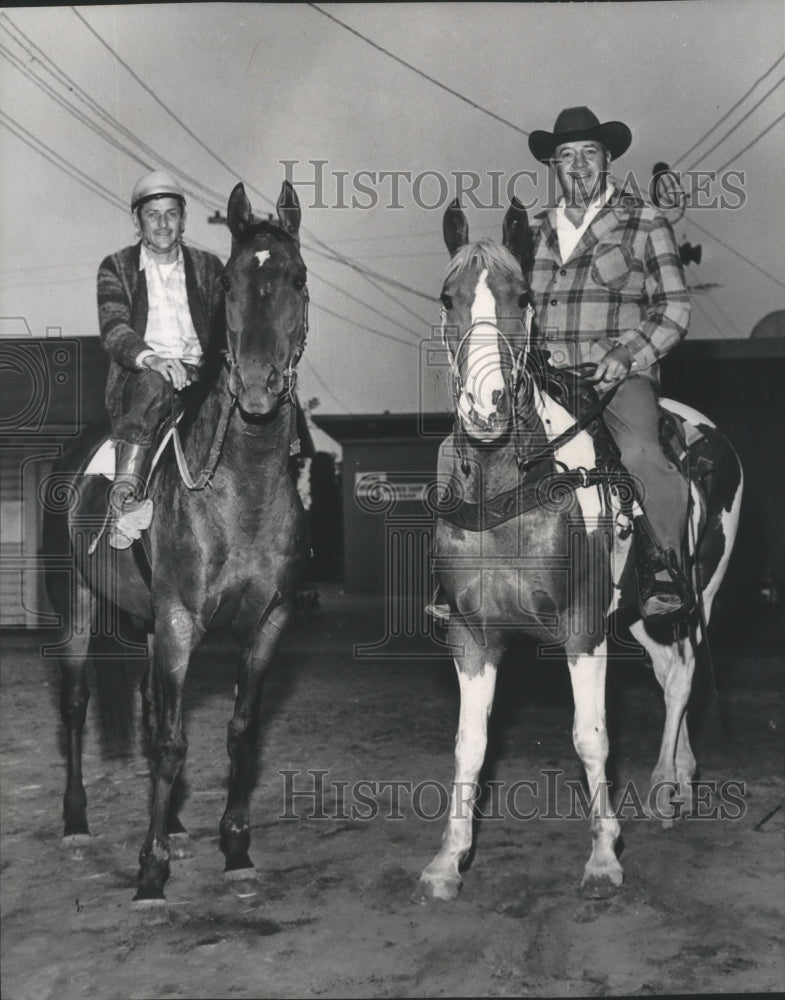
[622, 284]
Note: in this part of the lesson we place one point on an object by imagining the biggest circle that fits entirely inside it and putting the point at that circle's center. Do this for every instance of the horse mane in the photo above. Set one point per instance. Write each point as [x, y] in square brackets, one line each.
[488, 255]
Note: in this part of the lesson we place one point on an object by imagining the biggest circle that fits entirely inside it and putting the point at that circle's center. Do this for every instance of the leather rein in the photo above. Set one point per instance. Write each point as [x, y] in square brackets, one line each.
[219, 437]
[538, 484]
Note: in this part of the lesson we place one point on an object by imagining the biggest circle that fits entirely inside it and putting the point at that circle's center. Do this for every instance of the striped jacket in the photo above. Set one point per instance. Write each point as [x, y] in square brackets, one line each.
[623, 284]
[122, 310]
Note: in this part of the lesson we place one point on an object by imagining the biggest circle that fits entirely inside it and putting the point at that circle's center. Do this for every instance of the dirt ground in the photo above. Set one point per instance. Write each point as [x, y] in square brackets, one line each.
[701, 909]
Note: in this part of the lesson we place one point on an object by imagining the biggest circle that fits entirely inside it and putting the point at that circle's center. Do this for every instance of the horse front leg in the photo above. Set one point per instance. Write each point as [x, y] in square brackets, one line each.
[241, 746]
[603, 873]
[178, 835]
[74, 697]
[174, 640]
[673, 774]
[476, 669]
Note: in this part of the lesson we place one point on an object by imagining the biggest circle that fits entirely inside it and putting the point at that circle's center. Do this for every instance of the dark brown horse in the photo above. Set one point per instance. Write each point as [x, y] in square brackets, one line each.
[224, 553]
[528, 542]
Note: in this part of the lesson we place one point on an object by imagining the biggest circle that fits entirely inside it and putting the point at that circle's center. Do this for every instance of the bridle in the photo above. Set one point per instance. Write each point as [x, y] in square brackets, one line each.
[513, 381]
[289, 372]
[287, 392]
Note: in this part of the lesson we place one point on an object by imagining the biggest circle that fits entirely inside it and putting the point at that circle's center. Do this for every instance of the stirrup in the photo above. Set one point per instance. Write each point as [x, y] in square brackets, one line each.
[441, 612]
[665, 602]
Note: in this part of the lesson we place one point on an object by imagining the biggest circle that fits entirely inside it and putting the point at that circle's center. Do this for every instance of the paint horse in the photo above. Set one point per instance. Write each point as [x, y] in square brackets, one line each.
[527, 541]
[221, 559]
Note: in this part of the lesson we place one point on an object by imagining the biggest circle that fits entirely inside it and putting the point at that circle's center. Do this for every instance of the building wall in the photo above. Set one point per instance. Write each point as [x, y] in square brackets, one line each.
[49, 389]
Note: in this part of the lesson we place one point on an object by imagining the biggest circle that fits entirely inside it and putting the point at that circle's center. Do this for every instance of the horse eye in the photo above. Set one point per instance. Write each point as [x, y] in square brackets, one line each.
[446, 301]
[226, 283]
[299, 282]
[523, 300]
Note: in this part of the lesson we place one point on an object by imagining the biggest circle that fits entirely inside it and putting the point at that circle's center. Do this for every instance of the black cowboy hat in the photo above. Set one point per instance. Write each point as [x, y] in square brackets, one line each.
[580, 123]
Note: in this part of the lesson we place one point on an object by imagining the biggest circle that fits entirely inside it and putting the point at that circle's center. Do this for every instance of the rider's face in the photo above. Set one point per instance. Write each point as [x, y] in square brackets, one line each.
[581, 168]
[161, 223]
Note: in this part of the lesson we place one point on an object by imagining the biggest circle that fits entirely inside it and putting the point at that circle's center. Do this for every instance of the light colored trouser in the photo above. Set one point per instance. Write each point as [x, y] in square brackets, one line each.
[632, 418]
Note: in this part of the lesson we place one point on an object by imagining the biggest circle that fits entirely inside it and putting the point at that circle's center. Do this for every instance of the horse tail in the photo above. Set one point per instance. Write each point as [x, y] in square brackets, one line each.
[119, 656]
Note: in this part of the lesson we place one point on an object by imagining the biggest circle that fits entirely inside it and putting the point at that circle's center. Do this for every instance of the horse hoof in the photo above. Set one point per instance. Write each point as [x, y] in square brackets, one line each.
[601, 886]
[445, 889]
[76, 844]
[151, 911]
[242, 882]
[76, 839]
[180, 846]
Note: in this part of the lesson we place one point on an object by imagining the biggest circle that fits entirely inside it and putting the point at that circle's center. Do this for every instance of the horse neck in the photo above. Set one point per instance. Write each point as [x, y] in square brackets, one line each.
[484, 469]
[248, 449]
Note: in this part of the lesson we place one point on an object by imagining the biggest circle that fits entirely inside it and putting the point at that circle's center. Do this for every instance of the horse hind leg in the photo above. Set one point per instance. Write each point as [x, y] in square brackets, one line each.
[235, 836]
[603, 873]
[671, 779]
[74, 698]
[477, 670]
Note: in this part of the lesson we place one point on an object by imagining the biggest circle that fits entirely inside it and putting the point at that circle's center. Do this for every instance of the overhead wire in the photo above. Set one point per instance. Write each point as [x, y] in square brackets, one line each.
[738, 253]
[38, 57]
[738, 124]
[340, 257]
[730, 111]
[36, 54]
[307, 361]
[53, 157]
[419, 72]
[749, 145]
[362, 326]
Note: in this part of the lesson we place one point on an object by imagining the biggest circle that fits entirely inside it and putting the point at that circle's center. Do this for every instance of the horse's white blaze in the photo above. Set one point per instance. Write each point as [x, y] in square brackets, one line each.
[262, 256]
[577, 453]
[484, 375]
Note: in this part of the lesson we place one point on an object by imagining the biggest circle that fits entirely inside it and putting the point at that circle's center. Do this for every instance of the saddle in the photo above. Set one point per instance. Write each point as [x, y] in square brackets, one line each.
[679, 440]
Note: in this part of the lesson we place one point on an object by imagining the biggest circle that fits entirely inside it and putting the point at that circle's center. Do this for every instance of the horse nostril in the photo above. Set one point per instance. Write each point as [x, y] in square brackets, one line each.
[274, 380]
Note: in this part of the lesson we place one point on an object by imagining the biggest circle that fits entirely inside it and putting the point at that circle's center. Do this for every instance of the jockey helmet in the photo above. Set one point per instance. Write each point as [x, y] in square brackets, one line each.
[156, 184]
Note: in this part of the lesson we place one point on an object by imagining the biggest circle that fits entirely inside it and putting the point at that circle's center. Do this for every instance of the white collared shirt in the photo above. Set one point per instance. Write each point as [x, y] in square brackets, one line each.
[569, 235]
[170, 330]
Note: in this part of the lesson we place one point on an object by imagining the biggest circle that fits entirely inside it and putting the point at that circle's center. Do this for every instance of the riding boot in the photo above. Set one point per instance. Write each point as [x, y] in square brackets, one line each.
[664, 591]
[130, 512]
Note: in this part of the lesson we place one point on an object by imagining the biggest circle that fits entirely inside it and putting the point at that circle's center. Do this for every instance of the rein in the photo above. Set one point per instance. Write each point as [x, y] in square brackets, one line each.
[214, 457]
[207, 473]
[536, 486]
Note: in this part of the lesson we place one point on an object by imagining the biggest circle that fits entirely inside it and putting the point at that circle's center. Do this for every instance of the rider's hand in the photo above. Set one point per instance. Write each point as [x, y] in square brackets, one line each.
[614, 367]
[169, 368]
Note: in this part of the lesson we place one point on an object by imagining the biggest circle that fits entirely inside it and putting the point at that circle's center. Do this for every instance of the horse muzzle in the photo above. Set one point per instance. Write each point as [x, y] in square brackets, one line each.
[259, 395]
[485, 424]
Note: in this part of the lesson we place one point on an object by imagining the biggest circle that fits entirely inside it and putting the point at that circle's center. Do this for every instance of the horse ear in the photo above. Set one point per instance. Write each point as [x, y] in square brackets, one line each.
[455, 227]
[288, 208]
[239, 213]
[516, 232]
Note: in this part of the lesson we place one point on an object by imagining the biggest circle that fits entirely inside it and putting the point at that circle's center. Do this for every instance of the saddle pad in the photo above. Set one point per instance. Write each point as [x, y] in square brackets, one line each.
[102, 463]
